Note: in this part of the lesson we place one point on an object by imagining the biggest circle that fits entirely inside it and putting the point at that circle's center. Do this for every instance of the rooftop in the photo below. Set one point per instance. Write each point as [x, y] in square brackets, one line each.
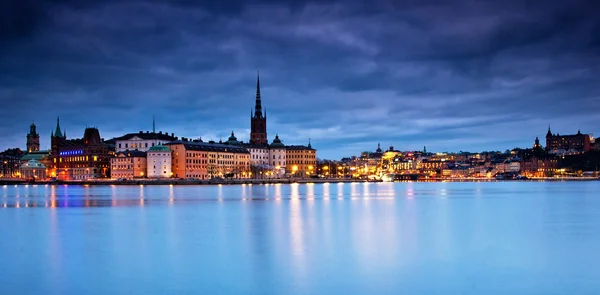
[159, 148]
[211, 147]
[147, 136]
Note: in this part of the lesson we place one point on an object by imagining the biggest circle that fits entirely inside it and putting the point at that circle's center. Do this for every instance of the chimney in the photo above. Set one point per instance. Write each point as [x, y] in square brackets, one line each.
[147, 131]
[172, 134]
[141, 131]
[159, 132]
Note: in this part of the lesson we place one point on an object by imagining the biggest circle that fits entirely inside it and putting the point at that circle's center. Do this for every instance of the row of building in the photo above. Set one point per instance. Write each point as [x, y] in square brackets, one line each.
[537, 161]
[162, 155]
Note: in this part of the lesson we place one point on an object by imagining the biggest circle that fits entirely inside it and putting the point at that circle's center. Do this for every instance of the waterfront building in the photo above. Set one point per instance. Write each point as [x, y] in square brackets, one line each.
[208, 160]
[128, 164]
[159, 162]
[277, 157]
[79, 159]
[10, 162]
[430, 165]
[33, 139]
[258, 121]
[567, 144]
[33, 170]
[142, 141]
[259, 155]
[301, 160]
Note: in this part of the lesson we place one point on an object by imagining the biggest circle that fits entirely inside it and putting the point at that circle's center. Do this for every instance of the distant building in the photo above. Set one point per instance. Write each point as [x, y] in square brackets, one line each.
[33, 170]
[567, 144]
[129, 164]
[79, 159]
[33, 139]
[301, 160]
[142, 141]
[159, 162]
[277, 156]
[207, 160]
[10, 162]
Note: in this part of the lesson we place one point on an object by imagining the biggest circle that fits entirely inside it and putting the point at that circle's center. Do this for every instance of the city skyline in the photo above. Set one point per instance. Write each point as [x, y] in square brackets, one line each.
[463, 77]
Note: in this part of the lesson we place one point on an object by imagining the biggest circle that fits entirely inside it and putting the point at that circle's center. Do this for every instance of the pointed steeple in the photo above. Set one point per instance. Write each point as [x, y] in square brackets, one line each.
[58, 133]
[549, 134]
[309, 146]
[65, 133]
[258, 105]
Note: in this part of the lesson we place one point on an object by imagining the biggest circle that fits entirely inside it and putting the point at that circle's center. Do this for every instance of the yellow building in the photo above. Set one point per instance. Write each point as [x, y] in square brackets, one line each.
[300, 160]
[129, 164]
[201, 160]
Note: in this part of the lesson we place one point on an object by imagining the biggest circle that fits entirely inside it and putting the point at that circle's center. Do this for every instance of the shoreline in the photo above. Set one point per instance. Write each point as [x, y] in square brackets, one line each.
[271, 181]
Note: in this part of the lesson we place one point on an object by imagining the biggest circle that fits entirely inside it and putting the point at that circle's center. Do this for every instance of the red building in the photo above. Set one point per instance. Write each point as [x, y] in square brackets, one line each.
[79, 159]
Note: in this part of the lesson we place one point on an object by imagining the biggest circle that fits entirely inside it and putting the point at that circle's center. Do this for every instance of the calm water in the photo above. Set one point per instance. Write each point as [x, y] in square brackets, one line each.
[384, 238]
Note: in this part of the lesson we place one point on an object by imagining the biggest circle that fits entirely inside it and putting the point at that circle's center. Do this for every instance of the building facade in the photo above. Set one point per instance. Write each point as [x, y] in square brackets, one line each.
[33, 170]
[33, 139]
[142, 141]
[301, 160]
[159, 162]
[79, 159]
[10, 162]
[201, 160]
[128, 165]
[277, 157]
[567, 144]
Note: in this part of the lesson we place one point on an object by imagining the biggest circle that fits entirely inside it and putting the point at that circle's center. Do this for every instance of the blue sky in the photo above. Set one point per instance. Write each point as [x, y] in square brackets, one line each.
[449, 75]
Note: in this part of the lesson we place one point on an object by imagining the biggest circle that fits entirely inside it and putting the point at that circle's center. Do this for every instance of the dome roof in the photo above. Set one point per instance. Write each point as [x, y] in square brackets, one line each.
[33, 164]
[277, 142]
[159, 148]
[232, 139]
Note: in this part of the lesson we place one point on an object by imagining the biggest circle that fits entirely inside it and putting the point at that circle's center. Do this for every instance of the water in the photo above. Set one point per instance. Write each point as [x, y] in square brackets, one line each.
[377, 238]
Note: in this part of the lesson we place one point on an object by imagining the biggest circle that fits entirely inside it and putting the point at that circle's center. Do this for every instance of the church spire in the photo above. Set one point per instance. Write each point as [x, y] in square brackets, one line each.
[58, 133]
[549, 132]
[258, 106]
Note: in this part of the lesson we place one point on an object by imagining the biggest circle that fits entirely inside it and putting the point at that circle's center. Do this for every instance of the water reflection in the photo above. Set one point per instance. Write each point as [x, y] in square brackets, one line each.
[376, 238]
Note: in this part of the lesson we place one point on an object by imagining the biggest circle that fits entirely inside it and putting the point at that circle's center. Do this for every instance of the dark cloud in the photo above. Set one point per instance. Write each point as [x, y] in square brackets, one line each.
[460, 75]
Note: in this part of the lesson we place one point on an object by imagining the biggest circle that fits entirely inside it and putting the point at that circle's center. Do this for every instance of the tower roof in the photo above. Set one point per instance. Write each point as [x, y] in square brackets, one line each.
[258, 106]
[58, 133]
[232, 139]
[277, 142]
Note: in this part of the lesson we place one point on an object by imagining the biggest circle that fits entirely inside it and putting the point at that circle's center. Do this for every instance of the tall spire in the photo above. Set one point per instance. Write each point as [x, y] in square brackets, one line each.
[58, 133]
[549, 132]
[258, 106]
[153, 124]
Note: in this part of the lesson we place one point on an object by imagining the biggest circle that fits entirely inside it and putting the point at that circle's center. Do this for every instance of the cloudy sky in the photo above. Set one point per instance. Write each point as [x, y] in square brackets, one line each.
[449, 75]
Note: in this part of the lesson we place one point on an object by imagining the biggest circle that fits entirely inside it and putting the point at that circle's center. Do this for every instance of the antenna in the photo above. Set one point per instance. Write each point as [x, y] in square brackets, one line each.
[153, 124]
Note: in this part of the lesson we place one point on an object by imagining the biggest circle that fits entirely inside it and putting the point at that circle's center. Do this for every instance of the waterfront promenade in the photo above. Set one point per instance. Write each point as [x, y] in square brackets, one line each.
[268, 181]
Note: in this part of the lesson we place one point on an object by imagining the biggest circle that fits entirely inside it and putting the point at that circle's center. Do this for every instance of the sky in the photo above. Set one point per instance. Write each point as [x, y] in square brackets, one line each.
[450, 75]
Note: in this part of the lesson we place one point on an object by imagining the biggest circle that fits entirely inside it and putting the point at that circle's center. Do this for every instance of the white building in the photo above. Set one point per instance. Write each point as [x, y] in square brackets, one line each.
[142, 141]
[159, 162]
[277, 152]
[33, 170]
[259, 155]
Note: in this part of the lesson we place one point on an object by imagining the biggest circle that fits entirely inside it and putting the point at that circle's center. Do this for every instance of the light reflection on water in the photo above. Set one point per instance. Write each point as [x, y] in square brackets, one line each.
[358, 238]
